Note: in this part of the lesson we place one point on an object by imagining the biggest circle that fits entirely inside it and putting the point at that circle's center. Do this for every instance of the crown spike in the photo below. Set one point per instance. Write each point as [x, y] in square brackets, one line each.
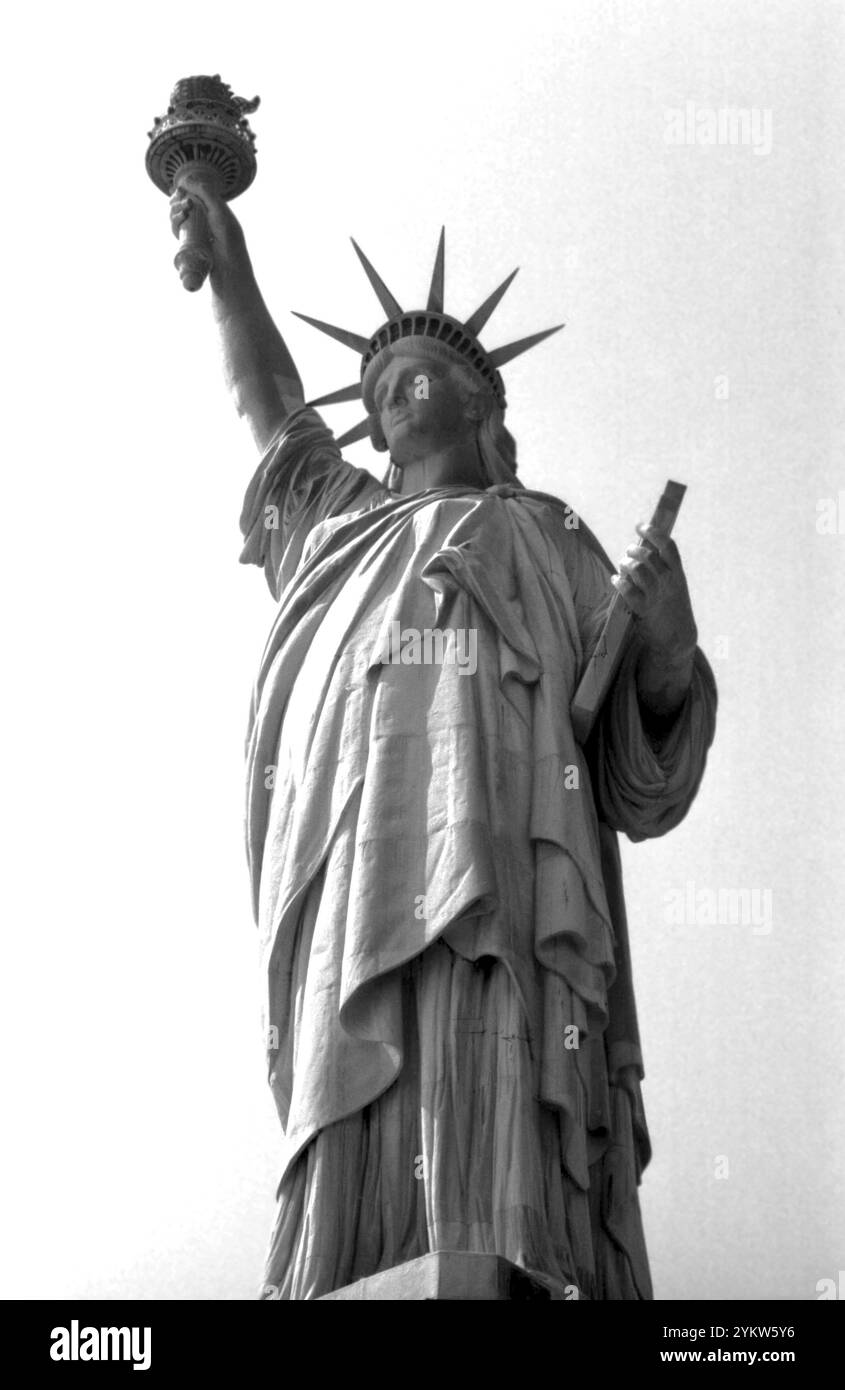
[359, 431]
[391, 306]
[435, 293]
[512, 350]
[476, 321]
[346, 393]
[342, 335]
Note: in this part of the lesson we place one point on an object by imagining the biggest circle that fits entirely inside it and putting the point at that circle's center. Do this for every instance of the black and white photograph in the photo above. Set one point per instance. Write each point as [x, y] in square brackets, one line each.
[424, 852]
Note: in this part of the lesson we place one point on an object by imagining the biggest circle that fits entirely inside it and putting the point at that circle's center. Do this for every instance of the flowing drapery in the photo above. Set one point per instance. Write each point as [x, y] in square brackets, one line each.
[453, 1045]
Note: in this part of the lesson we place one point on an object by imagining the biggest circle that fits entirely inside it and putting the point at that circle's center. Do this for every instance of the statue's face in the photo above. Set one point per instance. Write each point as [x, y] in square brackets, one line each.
[421, 408]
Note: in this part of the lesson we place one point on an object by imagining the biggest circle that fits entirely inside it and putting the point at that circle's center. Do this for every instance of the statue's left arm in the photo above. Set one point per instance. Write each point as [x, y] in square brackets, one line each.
[649, 747]
[654, 587]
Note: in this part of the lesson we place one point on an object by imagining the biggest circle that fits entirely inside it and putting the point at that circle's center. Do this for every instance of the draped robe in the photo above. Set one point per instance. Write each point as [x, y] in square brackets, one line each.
[452, 1036]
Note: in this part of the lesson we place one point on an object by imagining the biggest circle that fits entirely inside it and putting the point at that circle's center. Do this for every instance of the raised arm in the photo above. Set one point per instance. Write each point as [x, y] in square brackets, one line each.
[259, 370]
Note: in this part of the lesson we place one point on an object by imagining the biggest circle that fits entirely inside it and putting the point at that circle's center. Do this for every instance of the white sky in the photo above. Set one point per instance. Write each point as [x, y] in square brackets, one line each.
[140, 1150]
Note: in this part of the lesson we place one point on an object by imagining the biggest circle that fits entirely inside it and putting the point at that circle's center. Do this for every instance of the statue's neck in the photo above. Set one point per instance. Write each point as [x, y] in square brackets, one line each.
[453, 465]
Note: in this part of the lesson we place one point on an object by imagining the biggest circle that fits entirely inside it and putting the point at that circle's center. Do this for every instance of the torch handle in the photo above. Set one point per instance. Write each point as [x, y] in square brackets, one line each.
[195, 260]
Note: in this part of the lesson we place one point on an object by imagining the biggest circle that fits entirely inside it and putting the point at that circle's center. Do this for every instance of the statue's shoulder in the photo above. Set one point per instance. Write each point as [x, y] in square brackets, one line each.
[568, 527]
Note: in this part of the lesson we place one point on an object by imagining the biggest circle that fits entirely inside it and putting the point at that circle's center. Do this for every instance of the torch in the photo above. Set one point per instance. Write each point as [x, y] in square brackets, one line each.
[203, 132]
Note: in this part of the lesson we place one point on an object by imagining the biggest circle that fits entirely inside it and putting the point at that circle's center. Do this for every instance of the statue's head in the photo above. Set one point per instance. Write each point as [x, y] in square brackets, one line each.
[422, 401]
[460, 397]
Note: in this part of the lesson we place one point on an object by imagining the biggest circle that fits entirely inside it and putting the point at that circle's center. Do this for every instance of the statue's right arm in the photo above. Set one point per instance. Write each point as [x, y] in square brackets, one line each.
[260, 372]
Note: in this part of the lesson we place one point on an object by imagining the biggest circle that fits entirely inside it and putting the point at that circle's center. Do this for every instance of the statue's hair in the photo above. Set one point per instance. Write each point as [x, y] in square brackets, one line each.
[496, 444]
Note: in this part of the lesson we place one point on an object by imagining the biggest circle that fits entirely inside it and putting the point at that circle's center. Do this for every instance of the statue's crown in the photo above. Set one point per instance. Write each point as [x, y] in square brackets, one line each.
[430, 331]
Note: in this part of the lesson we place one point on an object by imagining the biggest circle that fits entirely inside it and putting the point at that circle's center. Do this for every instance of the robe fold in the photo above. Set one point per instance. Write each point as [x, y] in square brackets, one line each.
[453, 1043]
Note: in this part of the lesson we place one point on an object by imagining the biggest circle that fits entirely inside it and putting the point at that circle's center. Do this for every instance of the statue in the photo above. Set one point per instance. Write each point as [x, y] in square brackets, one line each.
[451, 1029]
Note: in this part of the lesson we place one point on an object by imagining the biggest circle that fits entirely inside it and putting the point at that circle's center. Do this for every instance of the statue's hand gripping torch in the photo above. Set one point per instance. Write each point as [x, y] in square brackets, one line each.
[204, 132]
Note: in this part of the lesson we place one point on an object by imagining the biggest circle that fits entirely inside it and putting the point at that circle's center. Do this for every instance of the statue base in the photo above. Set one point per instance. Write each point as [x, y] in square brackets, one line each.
[454, 1275]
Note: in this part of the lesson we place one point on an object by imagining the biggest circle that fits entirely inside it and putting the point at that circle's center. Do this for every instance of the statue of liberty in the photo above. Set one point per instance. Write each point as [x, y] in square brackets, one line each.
[452, 1036]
